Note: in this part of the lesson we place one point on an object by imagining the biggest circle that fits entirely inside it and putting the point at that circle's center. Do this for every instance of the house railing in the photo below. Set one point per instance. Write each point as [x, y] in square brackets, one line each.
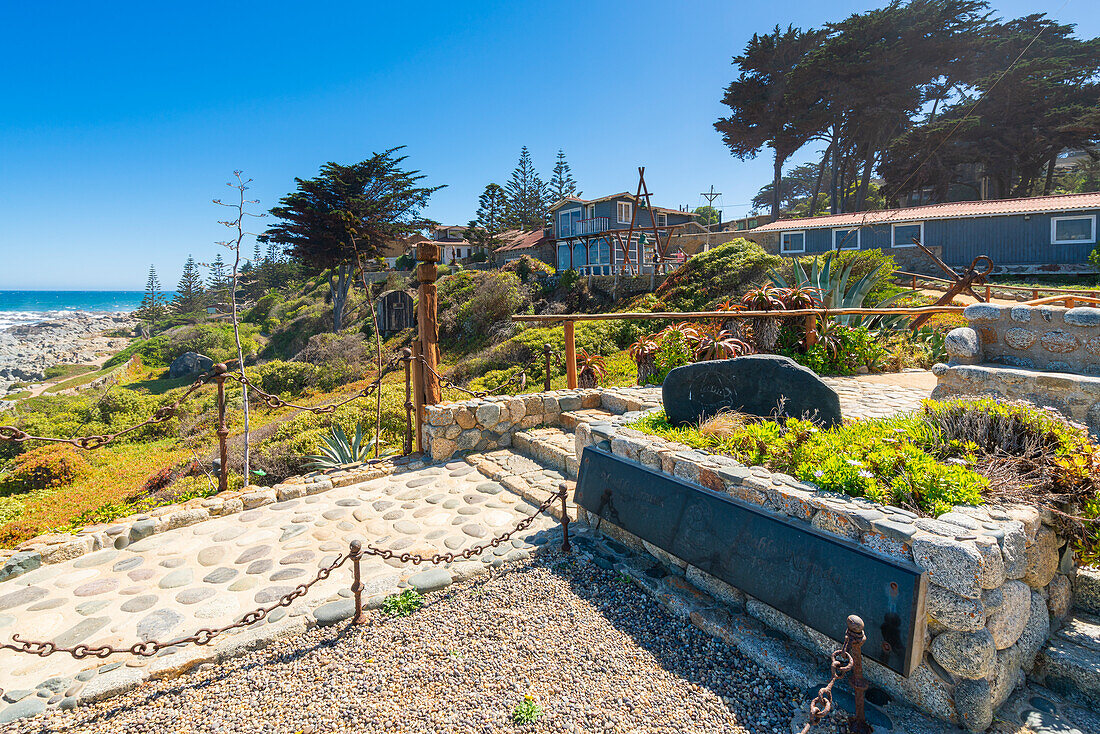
[581, 227]
[809, 316]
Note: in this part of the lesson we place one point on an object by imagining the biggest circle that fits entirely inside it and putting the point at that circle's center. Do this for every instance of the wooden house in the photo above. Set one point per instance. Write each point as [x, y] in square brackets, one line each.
[396, 311]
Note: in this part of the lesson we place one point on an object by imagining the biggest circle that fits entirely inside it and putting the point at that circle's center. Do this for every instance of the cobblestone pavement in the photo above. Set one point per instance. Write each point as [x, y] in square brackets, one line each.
[861, 399]
[207, 575]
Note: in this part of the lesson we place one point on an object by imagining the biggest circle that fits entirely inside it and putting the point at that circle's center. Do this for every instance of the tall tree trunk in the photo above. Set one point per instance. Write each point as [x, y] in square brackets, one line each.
[865, 180]
[1049, 183]
[820, 176]
[777, 177]
[339, 287]
[833, 186]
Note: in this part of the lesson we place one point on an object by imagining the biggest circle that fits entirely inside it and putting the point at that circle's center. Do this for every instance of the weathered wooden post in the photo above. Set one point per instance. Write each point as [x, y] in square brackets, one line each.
[220, 371]
[988, 292]
[811, 329]
[427, 253]
[418, 395]
[546, 350]
[570, 356]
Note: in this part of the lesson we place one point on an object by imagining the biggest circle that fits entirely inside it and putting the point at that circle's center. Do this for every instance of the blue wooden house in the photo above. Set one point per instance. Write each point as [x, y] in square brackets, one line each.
[1039, 234]
[594, 236]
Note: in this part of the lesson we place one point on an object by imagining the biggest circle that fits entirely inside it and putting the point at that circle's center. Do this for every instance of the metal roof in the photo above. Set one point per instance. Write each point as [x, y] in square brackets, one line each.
[950, 210]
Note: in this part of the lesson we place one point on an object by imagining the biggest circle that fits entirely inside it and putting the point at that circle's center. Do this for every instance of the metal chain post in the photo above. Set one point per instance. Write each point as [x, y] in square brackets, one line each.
[847, 659]
[546, 382]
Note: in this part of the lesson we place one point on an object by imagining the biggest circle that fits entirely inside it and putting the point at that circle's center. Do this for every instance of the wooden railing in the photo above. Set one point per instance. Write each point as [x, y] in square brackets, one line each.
[990, 287]
[810, 315]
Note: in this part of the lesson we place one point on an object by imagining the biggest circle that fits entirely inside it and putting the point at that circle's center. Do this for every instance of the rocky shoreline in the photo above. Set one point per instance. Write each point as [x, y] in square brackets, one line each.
[27, 350]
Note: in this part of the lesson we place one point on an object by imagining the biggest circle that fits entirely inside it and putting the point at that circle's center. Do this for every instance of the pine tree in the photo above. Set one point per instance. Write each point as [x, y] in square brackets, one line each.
[152, 305]
[492, 208]
[190, 294]
[527, 196]
[217, 285]
[562, 183]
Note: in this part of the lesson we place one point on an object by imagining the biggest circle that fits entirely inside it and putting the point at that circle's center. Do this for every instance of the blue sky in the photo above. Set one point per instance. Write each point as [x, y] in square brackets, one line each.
[119, 122]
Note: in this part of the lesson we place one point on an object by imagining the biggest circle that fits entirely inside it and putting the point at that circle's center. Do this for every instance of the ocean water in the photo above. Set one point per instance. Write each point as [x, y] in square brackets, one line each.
[30, 307]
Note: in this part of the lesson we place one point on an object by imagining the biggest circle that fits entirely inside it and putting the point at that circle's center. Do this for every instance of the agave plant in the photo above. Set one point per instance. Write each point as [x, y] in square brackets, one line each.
[833, 285]
[337, 449]
[592, 368]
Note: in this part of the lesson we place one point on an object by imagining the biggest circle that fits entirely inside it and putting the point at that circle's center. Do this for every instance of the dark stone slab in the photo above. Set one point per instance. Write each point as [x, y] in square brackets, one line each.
[754, 384]
[816, 578]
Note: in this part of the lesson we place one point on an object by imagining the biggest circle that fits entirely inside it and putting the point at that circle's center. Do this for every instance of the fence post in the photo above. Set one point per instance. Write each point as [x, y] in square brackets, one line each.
[546, 349]
[1034, 294]
[914, 282]
[563, 490]
[1070, 303]
[356, 554]
[856, 638]
[428, 255]
[418, 395]
[570, 356]
[811, 329]
[988, 293]
[406, 357]
[220, 371]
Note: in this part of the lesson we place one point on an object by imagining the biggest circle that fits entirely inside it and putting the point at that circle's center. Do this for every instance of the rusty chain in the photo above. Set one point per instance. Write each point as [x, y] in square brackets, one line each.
[204, 636]
[519, 378]
[148, 648]
[11, 433]
[469, 553]
[823, 701]
[274, 401]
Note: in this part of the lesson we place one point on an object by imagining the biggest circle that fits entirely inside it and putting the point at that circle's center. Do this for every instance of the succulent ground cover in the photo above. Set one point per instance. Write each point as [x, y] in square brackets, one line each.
[961, 452]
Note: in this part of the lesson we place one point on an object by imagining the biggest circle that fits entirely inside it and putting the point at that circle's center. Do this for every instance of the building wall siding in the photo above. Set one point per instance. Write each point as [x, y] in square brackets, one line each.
[1008, 240]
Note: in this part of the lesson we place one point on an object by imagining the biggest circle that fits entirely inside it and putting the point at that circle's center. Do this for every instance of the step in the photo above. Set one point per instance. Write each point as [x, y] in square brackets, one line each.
[1086, 591]
[570, 419]
[550, 446]
[1082, 629]
[524, 477]
[1070, 668]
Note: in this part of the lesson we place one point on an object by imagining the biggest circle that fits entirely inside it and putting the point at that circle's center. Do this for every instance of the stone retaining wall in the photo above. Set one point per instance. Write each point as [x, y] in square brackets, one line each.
[1046, 355]
[998, 576]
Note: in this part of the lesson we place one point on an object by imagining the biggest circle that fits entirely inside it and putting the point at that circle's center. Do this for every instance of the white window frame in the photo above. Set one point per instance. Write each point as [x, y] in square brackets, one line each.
[662, 219]
[623, 208]
[783, 251]
[590, 211]
[893, 238]
[1054, 228]
[847, 229]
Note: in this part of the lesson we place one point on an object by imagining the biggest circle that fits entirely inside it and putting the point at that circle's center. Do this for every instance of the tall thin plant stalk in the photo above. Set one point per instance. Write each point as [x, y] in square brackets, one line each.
[235, 245]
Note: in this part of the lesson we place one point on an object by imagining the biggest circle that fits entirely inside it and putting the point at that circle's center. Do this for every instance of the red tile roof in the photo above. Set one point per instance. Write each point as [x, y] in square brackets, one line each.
[519, 240]
[950, 210]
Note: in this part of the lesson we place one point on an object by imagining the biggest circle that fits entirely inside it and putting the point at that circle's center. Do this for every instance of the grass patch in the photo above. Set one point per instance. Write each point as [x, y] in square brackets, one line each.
[526, 711]
[20, 395]
[82, 379]
[403, 604]
[65, 371]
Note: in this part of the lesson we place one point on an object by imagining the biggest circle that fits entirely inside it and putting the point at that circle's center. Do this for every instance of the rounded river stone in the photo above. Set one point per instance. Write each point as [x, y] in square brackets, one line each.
[158, 624]
[220, 575]
[95, 559]
[179, 577]
[195, 595]
[211, 555]
[99, 586]
[261, 566]
[253, 553]
[140, 603]
[128, 563]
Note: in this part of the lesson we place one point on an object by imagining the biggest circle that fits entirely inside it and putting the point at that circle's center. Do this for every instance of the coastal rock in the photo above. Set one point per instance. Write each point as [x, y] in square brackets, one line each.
[189, 364]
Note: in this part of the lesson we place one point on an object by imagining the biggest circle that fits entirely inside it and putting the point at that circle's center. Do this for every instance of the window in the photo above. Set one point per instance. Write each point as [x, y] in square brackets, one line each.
[752, 224]
[563, 225]
[738, 225]
[903, 234]
[846, 239]
[1080, 230]
[623, 210]
[590, 211]
[792, 242]
[662, 219]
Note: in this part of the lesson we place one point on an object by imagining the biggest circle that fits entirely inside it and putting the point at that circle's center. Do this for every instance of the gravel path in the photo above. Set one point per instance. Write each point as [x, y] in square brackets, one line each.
[595, 652]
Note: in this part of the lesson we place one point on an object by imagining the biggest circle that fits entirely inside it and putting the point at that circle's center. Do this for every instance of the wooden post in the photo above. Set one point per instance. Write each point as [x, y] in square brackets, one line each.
[988, 293]
[570, 356]
[914, 282]
[1070, 303]
[1035, 294]
[418, 395]
[811, 329]
[428, 255]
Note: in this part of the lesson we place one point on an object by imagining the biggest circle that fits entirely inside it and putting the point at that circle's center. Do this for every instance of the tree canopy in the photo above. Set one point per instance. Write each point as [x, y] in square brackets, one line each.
[348, 213]
[934, 96]
[527, 196]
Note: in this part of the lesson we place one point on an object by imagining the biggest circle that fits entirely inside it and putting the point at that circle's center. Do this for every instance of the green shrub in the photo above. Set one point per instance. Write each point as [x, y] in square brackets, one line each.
[46, 467]
[674, 352]
[283, 378]
[568, 280]
[260, 313]
[723, 272]
[473, 303]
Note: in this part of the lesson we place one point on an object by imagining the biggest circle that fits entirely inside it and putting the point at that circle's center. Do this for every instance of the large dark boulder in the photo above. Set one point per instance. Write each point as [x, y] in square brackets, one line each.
[189, 364]
[754, 384]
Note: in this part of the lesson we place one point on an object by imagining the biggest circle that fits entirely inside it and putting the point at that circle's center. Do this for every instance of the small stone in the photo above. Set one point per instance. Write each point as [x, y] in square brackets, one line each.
[973, 701]
[23, 709]
[220, 575]
[431, 579]
[952, 564]
[177, 578]
[139, 603]
[970, 655]
[195, 595]
[158, 624]
[333, 612]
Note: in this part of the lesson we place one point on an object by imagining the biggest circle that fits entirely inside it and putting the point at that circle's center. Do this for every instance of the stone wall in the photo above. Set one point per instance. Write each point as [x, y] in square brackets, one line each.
[1047, 355]
[996, 581]
[914, 260]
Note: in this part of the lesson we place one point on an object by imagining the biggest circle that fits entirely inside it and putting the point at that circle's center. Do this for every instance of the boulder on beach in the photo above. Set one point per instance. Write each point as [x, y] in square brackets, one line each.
[189, 364]
[756, 384]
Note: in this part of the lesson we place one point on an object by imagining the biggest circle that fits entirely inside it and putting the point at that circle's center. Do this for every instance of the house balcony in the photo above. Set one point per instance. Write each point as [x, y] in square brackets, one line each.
[583, 227]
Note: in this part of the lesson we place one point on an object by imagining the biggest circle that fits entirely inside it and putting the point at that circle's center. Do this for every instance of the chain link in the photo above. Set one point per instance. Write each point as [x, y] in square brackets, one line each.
[842, 662]
[274, 401]
[16, 435]
[148, 648]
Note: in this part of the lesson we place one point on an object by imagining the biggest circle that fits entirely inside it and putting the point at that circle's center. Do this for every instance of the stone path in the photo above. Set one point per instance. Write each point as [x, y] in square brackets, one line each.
[207, 575]
[863, 399]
